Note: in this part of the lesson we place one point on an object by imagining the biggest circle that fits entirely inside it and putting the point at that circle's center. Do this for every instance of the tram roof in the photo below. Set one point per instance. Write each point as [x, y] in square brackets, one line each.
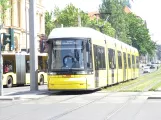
[75, 32]
[84, 32]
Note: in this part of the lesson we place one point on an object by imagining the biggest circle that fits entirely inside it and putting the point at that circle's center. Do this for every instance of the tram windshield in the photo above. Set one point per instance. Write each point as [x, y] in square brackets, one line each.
[67, 55]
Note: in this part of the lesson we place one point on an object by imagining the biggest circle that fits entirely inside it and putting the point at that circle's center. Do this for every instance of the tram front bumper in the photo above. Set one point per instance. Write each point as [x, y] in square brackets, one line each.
[67, 83]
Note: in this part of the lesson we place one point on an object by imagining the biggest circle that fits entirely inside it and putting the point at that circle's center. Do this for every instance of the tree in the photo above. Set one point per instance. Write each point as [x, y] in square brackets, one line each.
[100, 26]
[117, 18]
[4, 5]
[69, 16]
[49, 22]
[139, 35]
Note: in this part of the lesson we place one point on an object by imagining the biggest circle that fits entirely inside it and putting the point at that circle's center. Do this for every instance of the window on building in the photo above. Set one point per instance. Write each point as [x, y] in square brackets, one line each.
[18, 13]
[38, 22]
[40, 25]
[11, 14]
[27, 15]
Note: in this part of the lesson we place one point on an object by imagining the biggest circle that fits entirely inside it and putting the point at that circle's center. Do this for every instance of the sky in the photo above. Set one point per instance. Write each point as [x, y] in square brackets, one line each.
[147, 9]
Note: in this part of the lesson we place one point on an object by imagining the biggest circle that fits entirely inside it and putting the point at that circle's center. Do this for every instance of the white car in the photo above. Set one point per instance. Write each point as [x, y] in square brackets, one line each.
[146, 69]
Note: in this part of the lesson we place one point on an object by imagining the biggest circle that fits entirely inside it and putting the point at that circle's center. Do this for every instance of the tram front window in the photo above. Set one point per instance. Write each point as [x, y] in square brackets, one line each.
[67, 54]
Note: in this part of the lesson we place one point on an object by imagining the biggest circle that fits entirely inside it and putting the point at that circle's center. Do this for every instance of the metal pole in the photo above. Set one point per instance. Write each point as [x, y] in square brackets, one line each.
[79, 19]
[26, 24]
[33, 50]
[1, 67]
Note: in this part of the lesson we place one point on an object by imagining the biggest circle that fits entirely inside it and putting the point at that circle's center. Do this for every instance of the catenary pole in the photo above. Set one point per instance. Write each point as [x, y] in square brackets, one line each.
[26, 12]
[1, 66]
[33, 48]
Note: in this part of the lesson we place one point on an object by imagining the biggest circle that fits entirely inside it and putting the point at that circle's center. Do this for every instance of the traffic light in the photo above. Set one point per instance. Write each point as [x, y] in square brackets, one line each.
[9, 38]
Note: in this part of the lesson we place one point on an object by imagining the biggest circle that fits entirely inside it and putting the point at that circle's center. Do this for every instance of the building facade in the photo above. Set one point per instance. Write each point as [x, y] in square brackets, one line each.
[17, 18]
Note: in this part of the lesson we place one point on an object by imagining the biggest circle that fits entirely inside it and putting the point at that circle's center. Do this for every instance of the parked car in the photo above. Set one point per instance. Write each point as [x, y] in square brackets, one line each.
[149, 64]
[152, 67]
[146, 69]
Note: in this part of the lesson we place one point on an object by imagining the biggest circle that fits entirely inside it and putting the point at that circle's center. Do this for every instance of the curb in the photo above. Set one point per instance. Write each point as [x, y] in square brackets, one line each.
[11, 98]
[30, 96]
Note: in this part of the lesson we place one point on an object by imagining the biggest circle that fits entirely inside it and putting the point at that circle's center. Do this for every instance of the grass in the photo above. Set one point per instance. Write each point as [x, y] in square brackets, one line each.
[147, 81]
[155, 87]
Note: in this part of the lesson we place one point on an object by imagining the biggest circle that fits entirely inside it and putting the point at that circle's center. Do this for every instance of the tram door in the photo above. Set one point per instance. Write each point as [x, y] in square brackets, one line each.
[125, 66]
[112, 67]
[133, 66]
[20, 69]
[96, 66]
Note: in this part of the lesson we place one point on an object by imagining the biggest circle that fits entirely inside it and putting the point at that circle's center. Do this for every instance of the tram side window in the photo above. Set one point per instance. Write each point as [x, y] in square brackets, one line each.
[8, 66]
[99, 56]
[129, 60]
[137, 62]
[125, 63]
[120, 60]
[112, 60]
[133, 61]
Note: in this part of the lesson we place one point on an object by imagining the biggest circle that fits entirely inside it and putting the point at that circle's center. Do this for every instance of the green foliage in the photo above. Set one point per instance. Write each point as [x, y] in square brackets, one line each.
[69, 16]
[4, 5]
[49, 22]
[140, 35]
[106, 28]
[129, 28]
[117, 18]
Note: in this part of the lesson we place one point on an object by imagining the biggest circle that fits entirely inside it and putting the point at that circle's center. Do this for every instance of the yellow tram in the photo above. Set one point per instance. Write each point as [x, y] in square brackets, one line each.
[81, 58]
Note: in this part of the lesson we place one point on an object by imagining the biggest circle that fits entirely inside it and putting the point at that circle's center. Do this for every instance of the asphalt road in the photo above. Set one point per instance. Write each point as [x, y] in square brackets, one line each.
[97, 105]
[85, 106]
[7, 91]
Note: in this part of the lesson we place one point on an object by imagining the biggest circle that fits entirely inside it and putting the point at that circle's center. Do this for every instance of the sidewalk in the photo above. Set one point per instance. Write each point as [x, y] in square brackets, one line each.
[27, 94]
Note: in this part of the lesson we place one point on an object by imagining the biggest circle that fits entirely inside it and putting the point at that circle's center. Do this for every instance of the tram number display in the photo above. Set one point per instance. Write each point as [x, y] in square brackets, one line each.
[65, 42]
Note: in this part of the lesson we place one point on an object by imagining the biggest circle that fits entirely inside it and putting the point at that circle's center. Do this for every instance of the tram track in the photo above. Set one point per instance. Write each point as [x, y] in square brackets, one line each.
[118, 109]
[109, 94]
[76, 108]
[80, 106]
[134, 84]
[34, 109]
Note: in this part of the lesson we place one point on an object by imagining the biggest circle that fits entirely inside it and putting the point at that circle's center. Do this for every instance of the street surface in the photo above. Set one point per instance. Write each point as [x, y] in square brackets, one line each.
[13, 90]
[96, 105]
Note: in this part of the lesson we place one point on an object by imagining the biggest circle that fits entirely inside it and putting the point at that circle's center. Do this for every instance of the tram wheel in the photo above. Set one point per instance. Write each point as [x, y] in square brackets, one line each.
[9, 81]
[41, 82]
